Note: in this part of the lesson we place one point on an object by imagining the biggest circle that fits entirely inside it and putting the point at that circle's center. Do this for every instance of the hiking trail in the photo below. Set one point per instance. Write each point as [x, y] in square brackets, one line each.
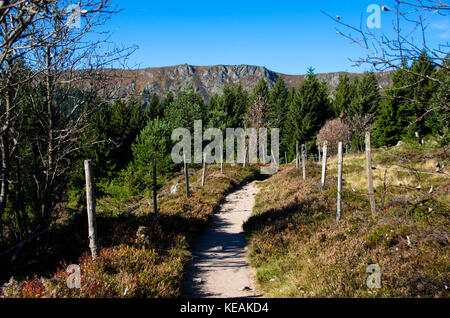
[220, 268]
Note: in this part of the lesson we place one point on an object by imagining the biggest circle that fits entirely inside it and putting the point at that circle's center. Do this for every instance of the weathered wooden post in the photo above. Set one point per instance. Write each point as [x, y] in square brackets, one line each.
[204, 170]
[304, 161]
[369, 175]
[297, 159]
[245, 156]
[186, 175]
[90, 200]
[285, 157]
[155, 193]
[324, 163]
[339, 194]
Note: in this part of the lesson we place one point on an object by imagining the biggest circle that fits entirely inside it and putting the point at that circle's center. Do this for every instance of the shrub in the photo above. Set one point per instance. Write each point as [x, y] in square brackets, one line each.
[334, 131]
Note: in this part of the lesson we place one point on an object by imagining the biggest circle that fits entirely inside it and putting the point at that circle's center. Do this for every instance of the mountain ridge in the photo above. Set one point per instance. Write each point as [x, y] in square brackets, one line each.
[209, 80]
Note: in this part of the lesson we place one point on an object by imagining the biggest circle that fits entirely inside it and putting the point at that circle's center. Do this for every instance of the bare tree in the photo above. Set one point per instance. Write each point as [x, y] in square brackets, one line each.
[410, 23]
[18, 21]
[68, 71]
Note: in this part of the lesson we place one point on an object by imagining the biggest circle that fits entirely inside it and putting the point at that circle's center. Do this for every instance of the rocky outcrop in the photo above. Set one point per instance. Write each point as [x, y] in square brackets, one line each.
[212, 79]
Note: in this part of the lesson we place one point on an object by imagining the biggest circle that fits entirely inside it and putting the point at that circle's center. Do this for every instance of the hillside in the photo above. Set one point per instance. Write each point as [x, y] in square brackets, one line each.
[211, 79]
[299, 250]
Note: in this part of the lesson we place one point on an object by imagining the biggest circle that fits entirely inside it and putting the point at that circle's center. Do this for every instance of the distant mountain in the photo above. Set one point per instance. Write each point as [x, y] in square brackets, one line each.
[212, 79]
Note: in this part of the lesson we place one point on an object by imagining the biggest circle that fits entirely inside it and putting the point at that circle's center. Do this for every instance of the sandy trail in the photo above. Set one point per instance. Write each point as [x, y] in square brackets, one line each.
[220, 267]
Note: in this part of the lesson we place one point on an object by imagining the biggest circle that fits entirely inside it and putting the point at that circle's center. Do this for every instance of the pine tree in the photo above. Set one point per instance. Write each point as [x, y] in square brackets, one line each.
[410, 99]
[276, 110]
[240, 108]
[343, 96]
[367, 96]
[187, 107]
[307, 113]
[216, 116]
[153, 142]
[390, 121]
[417, 103]
[153, 108]
[167, 101]
[436, 121]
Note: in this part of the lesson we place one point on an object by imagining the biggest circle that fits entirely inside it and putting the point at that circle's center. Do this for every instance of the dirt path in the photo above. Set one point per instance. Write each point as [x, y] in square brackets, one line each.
[220, 267]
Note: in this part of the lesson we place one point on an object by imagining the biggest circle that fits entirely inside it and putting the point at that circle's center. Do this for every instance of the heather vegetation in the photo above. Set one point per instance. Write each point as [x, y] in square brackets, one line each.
[299, 250]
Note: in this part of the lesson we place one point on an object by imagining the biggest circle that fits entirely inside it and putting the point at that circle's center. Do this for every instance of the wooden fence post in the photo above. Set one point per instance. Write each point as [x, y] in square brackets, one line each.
[339, 194]
[297, 159]
[245, 156]
[204, 170]
[304, 161]
[369, 175]
[90, 198]
[155, 193]
[186, 175]
[324, 163]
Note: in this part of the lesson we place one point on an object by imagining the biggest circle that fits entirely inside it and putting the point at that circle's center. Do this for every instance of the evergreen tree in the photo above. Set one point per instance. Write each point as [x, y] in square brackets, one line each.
[276, 110]
[242, 100]
[126, 122]
[417, 102]
[153, 142]
[307, 113]
[343, 96]
[410, 99]
[153, 108]
[216, 116]
[186, 108]
[367, 96]
[167, 101]
[436, 121]
[390, 121]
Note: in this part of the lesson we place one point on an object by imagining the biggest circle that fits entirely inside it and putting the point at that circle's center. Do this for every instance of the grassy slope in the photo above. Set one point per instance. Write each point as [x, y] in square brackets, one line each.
[152, 263]
[298, 249]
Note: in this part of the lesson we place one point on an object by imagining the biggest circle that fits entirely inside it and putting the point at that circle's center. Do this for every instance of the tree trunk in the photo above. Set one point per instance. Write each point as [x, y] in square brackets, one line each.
[4, 179]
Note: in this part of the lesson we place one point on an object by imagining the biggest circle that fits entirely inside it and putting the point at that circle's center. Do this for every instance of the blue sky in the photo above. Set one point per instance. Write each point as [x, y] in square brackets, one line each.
[284, 36]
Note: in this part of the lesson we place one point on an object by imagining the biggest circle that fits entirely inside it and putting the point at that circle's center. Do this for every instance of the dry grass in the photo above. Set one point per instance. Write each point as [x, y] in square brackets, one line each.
[142, 255]
[298, 249]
